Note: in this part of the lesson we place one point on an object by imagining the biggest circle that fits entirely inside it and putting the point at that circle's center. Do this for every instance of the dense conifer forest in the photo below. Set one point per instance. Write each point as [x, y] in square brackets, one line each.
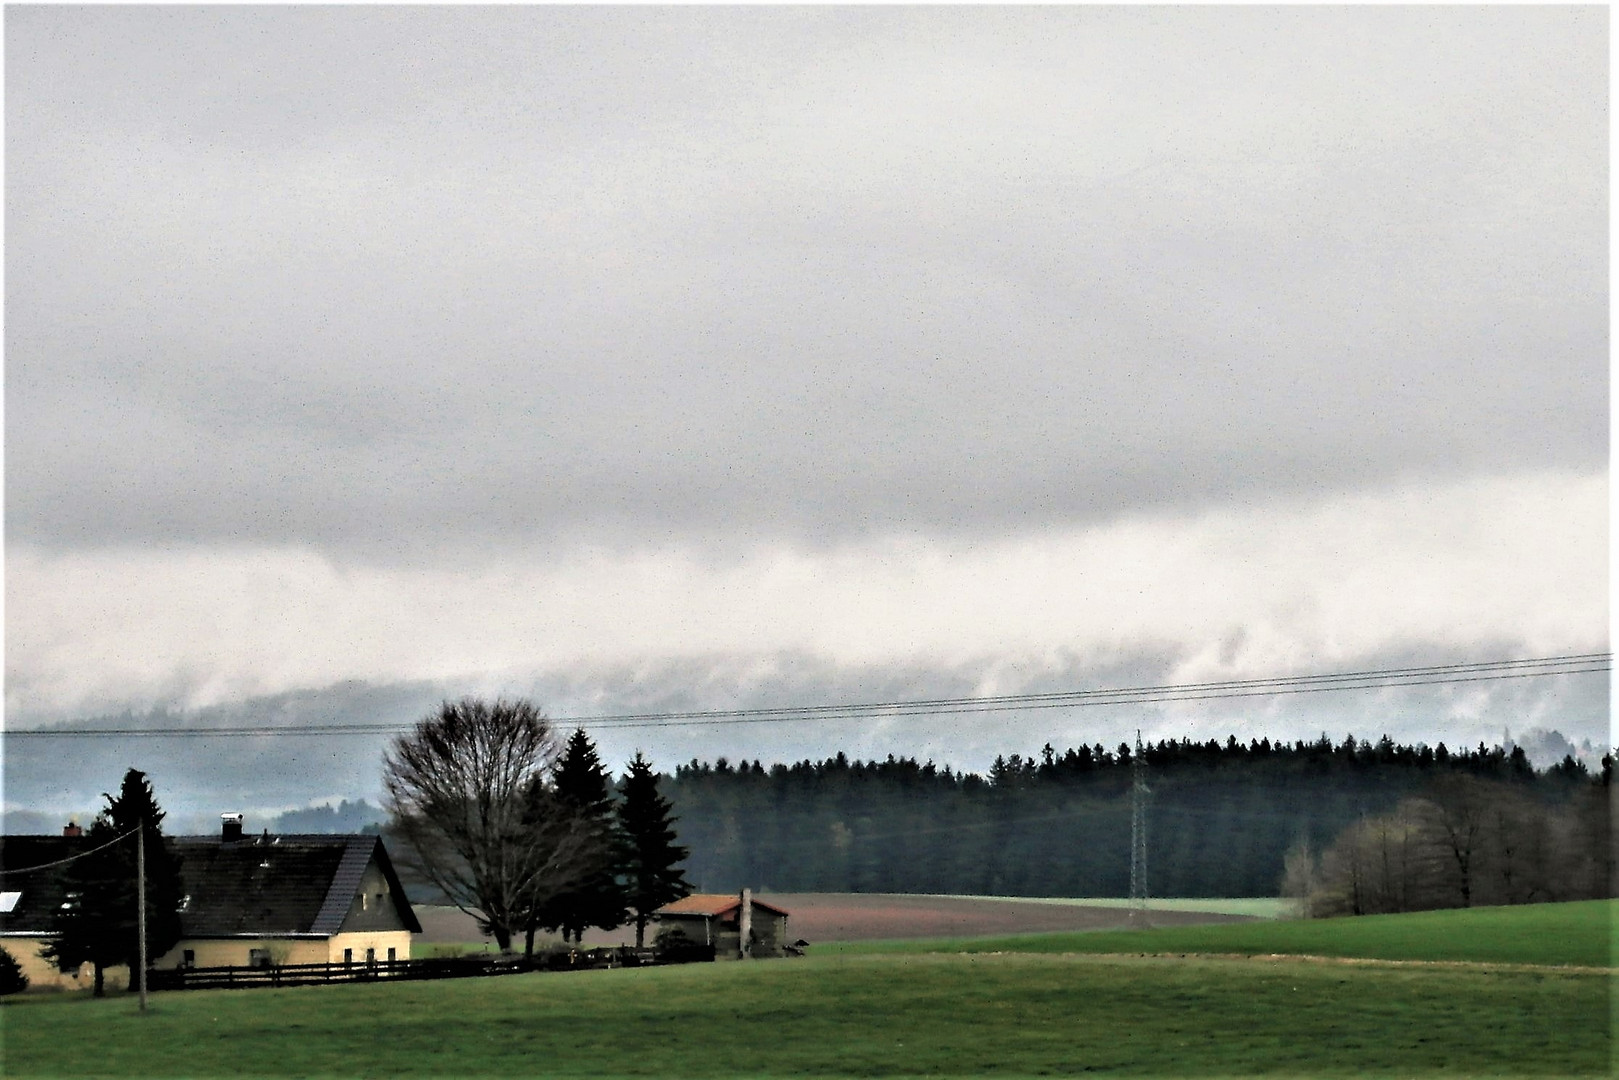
[1223, 816]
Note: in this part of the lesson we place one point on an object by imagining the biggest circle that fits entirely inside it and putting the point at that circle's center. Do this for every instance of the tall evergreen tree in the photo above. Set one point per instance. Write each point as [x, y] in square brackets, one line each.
[581, 787]
[1223, 817]
[650, 857]
[99, 923]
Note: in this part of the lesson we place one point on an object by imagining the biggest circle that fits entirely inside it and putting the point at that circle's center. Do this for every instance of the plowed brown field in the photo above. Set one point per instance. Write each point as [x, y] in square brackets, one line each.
[874, 917]
[821, 917]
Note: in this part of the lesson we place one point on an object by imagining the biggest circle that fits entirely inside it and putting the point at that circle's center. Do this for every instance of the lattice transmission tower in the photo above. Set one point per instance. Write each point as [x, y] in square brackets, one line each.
[1138, 828]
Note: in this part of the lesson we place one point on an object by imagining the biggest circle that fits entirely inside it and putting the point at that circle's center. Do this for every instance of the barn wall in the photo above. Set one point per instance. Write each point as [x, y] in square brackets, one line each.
[705, 930]
[690, 925]
[770, 934]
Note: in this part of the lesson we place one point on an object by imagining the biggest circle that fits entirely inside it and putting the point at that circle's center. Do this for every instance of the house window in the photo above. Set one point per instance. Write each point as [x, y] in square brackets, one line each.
[370, 957]
[258, 958]
[188, 958]
[365, 901]
[8, 902]
[392, 955]
[348, 957]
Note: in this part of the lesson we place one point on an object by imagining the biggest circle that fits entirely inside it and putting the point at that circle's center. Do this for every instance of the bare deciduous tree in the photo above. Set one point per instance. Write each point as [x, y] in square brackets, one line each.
[1470, 842]
[1458, 809]
[1301, 876]
[469, 794]
[1379, 865]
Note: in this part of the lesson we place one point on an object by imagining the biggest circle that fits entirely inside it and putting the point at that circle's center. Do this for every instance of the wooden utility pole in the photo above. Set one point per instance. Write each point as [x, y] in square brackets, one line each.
[140, 903]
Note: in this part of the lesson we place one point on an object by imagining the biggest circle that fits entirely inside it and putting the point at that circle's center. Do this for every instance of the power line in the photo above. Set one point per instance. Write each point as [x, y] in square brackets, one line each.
[71, 858]
[903, 710]
[1374, 679]
[1381, 676]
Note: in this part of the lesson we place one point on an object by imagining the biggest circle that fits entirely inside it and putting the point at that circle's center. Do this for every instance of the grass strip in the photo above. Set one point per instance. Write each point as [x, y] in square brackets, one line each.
[876, 1015]
[1578, 934]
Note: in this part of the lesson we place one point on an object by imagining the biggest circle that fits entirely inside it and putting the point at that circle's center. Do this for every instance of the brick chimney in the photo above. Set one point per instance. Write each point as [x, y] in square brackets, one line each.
[72, 829]
[230, 827]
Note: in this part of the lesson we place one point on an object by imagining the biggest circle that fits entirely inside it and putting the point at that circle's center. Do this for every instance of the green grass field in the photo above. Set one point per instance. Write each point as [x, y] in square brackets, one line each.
[1576, 934]
[877, 1014]
[428, 950]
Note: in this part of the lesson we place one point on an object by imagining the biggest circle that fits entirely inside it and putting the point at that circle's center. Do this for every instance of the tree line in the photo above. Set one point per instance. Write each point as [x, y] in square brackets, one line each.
[1222, 817]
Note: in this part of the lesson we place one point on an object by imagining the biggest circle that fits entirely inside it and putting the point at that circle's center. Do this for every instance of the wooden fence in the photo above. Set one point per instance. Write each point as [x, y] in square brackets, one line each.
[448, 967]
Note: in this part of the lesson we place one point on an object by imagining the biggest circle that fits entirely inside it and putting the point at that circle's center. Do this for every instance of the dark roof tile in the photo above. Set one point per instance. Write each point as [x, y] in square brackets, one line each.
[253, 887]
[41, 890]
[281, 885]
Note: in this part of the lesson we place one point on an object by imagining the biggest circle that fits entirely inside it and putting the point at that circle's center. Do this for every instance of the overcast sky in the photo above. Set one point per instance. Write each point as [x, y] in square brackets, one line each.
[632, 357]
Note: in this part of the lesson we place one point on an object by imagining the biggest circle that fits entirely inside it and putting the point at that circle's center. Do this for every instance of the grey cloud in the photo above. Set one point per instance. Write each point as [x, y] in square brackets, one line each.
[388, 279]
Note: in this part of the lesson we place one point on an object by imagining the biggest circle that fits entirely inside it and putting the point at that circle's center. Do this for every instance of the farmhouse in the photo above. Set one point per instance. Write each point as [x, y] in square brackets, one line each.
[248, 901]
[718, 920]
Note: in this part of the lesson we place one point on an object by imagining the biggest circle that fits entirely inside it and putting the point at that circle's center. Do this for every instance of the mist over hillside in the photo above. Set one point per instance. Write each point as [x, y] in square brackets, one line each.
[199, 776]
[345, 817]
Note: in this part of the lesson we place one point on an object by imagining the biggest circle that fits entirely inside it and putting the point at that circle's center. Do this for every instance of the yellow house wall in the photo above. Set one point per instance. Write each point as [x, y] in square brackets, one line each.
[359, 941]
[43, 974]
[237, 952]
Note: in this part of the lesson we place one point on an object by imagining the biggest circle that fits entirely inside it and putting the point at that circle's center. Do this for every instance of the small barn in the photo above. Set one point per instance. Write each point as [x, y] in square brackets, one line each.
[722, 920]
[248, 901]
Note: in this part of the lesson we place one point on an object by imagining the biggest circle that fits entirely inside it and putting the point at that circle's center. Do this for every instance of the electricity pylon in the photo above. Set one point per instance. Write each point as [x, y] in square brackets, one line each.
[1138, 829]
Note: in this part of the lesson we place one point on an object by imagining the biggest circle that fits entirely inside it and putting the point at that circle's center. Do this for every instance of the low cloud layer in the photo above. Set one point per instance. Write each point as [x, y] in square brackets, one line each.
[1513, 563]
[1421, 575]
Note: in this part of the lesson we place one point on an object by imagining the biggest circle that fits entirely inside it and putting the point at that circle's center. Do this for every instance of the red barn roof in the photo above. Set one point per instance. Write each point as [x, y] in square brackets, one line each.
[712, 904]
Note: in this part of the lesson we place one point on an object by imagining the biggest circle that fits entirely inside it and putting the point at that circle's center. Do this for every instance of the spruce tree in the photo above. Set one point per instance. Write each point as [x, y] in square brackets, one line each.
[581, 788]
[650, 856]
[99, 923]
